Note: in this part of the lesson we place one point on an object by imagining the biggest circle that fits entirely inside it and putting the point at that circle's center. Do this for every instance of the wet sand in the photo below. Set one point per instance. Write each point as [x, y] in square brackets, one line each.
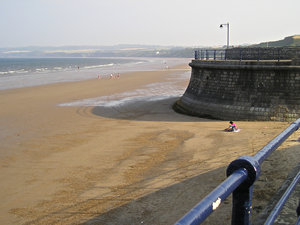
[137, 163]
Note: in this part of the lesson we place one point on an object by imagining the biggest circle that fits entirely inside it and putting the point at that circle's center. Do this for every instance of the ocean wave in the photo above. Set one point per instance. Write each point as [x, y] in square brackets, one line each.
[140, 62]
[41, 69]
[13, 72]
[22, 71]
[57, 68]
[98, 66]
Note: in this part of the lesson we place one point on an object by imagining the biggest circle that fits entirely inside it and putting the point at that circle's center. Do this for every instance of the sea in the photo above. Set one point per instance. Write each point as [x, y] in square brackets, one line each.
[27, 72]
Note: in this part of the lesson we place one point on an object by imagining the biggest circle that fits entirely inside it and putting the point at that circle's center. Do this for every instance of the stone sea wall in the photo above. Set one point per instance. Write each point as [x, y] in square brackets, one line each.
[242, 90]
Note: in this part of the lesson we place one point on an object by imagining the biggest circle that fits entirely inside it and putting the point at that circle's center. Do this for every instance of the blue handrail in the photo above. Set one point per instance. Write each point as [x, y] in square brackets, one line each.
[276, 142]
[241, 173]
[204, 208]
[282, 200]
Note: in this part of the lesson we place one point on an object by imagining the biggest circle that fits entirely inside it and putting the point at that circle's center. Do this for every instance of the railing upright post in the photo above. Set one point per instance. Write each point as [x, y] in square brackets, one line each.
[278, 55]
[241, 205]
[207, 57]
[241, 55]
[298, 214]
[197, 54]
[214, 54]
[242, 196]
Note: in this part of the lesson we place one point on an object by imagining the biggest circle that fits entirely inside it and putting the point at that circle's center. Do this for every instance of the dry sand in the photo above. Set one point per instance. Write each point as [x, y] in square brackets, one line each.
[139, 163]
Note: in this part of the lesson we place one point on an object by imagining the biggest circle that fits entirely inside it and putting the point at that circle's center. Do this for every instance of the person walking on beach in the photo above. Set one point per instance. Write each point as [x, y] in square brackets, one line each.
[232, 127]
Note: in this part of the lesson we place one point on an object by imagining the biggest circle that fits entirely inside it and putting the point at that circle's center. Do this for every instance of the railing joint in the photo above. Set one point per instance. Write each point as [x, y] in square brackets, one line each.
[250, 164]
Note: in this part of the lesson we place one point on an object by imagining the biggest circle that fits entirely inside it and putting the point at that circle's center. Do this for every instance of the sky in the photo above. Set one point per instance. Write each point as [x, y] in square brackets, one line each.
[146, 22]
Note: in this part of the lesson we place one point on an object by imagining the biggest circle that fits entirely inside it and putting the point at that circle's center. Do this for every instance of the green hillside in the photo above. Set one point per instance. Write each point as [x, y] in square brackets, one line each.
[291, 41]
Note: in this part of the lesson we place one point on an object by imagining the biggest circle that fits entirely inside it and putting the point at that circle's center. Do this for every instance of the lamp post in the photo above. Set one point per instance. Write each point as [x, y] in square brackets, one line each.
[227, 25]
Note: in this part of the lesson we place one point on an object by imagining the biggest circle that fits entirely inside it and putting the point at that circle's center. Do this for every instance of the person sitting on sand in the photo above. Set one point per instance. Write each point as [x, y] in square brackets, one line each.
[232, 127]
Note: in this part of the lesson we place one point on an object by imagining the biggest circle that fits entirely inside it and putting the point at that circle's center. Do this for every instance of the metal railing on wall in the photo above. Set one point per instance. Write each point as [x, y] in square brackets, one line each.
[210, 54]
[241, 175]
[240, 54]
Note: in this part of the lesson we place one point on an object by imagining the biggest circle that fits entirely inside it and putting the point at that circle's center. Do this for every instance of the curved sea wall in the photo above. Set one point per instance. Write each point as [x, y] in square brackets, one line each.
[243, 90]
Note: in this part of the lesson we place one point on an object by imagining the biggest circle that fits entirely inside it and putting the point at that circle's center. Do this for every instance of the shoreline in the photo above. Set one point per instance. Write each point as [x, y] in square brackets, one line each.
[119, 164]
[70, 75]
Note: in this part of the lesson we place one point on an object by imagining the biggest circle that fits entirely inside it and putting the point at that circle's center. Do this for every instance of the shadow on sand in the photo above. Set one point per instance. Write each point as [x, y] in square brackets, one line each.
[169, 204]
[146, 110]
[165, 206]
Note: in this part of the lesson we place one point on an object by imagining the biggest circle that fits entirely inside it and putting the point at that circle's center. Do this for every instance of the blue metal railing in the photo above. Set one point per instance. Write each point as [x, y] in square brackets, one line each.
[210, 54]
[282, 200]
[241, 174]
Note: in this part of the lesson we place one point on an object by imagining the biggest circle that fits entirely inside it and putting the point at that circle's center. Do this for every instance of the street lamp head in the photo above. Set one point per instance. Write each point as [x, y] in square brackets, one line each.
[227, 25]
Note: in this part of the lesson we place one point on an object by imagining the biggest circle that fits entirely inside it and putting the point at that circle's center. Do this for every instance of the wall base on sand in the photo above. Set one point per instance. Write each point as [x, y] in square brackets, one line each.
[242, 90]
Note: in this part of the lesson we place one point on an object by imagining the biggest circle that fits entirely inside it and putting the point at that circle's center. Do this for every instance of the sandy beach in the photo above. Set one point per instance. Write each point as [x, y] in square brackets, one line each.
[133, 163]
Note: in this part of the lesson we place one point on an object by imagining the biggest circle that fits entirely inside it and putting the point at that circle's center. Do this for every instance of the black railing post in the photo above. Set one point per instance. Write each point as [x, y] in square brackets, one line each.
[242, 196]
[215, 54]
[258, 55]
[197, 54]
[207, 57]
[241, 205]
[241, 55]
[278, 55]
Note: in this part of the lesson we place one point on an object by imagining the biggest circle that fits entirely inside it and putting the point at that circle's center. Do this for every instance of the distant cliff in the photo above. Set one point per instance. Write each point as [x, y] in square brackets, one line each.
[98, 51]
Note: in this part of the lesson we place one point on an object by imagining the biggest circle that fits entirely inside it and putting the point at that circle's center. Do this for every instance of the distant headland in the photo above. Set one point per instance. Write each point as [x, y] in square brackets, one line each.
[291, 41]
[126, 50]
